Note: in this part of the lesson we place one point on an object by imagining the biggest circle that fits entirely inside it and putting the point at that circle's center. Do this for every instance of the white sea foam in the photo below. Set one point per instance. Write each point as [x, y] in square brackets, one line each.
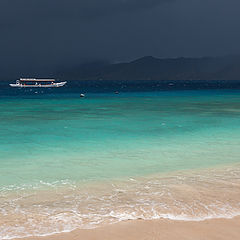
[64, 205]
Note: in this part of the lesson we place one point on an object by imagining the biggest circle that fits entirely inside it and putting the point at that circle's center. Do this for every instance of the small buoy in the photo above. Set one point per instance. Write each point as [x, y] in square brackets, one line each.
[82, 95]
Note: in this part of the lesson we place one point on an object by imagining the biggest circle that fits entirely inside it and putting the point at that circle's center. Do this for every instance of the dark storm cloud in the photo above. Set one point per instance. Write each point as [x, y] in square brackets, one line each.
[51, 32]
[37, 35]
[37, 10]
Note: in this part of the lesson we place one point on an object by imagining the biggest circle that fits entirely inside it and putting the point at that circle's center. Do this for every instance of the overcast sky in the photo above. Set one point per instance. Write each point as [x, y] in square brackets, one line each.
[48, 34]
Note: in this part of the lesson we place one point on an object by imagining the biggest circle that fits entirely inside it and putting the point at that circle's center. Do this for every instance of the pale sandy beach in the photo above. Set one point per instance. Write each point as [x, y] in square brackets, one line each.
[199, 206]
[145, 167]
[214, 229]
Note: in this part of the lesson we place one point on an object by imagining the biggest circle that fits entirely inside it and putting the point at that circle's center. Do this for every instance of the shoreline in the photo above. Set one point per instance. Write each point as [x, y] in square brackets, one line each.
[161, 158]
[213, 229]
[194, 198]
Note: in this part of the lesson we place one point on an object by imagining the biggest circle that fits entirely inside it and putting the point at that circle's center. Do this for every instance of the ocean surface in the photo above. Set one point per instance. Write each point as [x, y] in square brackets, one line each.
[145, 153]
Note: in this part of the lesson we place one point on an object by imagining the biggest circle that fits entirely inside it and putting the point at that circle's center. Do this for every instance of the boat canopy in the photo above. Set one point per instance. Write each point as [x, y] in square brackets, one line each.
[36, 80]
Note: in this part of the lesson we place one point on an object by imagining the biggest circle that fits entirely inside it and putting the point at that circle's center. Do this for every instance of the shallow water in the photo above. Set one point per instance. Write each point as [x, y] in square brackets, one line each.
[135, 152]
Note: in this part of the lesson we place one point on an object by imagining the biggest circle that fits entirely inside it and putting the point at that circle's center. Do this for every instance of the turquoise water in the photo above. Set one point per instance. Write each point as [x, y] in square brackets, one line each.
[105, 136]
[68, 162]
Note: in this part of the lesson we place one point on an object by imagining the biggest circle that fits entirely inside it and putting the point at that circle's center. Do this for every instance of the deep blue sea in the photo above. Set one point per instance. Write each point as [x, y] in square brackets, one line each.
[105, 86]
[156, 149]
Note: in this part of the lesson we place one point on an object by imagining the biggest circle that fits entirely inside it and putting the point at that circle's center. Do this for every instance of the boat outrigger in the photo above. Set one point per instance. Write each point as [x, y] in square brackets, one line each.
[33, 82]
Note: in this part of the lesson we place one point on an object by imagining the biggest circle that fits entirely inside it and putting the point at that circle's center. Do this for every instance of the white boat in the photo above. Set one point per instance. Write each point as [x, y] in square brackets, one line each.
[33, 83]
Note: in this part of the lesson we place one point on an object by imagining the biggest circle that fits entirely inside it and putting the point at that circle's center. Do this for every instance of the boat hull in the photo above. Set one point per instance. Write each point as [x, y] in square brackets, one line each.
[53, 85]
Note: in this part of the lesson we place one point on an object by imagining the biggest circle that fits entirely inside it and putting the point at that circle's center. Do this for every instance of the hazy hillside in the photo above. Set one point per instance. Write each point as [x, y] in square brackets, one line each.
[208, 68]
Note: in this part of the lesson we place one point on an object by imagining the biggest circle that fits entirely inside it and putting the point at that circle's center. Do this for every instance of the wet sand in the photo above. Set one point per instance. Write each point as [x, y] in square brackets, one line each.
[214, 229]
[127, 209]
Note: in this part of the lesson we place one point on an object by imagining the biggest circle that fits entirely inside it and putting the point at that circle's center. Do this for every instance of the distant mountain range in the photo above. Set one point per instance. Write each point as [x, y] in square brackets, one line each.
[151, 68]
